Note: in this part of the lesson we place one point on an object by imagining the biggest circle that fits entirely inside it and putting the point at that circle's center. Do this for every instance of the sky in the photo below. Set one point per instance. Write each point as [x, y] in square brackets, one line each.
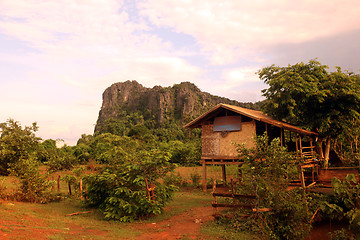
[58, 56]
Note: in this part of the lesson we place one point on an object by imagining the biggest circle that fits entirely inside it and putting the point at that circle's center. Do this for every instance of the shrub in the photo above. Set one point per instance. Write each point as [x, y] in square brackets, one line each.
[174, 179]
[3, 188]
[34, 186]
[60, 159]
[344, 203]
[195, 178]
[266, 172]
[120, 191]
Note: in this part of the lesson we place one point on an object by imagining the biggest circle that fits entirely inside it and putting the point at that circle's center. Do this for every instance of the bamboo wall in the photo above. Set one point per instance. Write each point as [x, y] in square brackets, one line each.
[217, 144]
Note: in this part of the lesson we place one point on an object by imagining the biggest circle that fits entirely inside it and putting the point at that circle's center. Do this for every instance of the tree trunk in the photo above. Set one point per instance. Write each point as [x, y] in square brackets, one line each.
[327, 152]
[320, 149]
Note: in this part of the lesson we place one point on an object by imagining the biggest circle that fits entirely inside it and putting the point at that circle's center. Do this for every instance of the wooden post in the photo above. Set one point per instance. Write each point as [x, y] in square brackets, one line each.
[281, 136]
[313, 173]
[215, 197]
[204, 175]
[58, 183]
[302, 179]
[296, 142]
[266, 128]
[53, 185]
[224, 173]
[81, 188]
[69, 185]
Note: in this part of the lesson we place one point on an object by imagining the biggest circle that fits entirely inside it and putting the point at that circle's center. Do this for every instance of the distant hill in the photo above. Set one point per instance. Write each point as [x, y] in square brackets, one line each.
[130, 101]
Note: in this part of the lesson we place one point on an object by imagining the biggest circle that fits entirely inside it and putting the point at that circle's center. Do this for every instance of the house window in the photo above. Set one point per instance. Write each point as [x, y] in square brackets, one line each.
[227, 123]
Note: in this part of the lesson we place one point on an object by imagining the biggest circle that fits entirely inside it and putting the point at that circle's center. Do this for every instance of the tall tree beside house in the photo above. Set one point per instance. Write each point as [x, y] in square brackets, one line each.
[308, 95]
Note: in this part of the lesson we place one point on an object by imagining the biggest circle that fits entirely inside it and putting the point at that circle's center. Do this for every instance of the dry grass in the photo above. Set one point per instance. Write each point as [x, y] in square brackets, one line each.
[212, 172]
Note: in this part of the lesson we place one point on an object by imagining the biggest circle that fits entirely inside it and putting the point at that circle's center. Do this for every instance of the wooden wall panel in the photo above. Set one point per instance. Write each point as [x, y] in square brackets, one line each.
[210, 144]
[216, 144]
[246, 135]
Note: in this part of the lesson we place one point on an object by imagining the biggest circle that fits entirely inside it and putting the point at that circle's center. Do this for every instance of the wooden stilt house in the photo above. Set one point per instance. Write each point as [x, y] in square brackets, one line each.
[226, 124]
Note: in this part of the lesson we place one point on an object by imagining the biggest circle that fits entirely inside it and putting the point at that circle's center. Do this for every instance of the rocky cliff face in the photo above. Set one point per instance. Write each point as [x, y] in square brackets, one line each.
[182, 102]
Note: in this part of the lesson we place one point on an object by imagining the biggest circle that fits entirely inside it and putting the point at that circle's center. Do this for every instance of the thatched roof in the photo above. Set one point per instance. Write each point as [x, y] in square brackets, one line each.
[256, 115]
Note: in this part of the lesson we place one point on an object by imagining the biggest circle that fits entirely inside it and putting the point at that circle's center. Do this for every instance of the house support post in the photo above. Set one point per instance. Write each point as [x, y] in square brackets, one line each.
[302, 178]
[224, 172]
[204, 175]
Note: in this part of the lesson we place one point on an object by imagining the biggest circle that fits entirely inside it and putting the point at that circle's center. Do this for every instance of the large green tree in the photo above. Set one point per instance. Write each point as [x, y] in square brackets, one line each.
[308, 95]
[16, 143]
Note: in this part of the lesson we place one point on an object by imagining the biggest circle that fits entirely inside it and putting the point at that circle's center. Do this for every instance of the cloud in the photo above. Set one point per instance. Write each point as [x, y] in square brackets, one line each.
[231, 30]
[72, 51]
[337, 50]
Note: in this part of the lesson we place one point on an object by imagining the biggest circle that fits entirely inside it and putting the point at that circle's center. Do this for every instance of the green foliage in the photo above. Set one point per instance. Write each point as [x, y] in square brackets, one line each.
[266, 172]
[16, 143]
[342, 234]
[173, 179]
[308, 95]
[34, 186]
[3, 188]
[268, 165]
[344, 203]
[184, 153]
[60, 159]
[109, 148]
[195, 178]
[119, 190]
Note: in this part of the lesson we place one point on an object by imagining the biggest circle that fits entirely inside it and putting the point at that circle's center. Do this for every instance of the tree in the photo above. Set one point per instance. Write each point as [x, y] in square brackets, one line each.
[16, 143]
[309, 96]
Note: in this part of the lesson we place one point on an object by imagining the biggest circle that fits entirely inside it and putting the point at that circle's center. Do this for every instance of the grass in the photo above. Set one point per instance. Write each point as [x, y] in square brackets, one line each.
[212, 171]
[219, 231]
[51, 218]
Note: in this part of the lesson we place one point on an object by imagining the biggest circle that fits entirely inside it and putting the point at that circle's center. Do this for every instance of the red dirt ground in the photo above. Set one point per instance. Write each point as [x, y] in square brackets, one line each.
[187, 225]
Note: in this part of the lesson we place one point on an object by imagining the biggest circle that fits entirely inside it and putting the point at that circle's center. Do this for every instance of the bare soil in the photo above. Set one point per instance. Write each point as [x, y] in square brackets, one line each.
[186, 225]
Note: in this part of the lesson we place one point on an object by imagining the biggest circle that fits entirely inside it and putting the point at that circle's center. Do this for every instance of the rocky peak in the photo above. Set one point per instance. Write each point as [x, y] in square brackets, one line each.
[182, 102]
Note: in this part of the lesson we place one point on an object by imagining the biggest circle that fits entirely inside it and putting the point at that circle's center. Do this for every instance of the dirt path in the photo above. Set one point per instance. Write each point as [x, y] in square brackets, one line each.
[186, 225]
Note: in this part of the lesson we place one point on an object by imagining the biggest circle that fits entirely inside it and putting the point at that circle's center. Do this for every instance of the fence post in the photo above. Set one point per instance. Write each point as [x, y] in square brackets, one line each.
[58, 183]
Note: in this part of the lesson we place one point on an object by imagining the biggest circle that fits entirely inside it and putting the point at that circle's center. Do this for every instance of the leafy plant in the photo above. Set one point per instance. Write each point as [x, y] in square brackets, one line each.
[195, 178]
[60, 159]
[120, 190]
[174, 179]
[16, 143]
[344, 203]
[266, 172]
[34, 186]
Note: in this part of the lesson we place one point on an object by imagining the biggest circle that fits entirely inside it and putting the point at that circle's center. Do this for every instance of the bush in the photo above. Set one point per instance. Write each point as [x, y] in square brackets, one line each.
[344, 203]
[120, 191]
[195, 178]
[174, 179]
[34, 186]
[266, 172]
[3, 188]
[60, 159]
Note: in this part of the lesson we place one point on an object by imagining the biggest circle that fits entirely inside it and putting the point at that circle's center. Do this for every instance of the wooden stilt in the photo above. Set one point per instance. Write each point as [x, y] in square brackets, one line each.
[313, 174]
[302, 178]
[204, 176]
[224, 173]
